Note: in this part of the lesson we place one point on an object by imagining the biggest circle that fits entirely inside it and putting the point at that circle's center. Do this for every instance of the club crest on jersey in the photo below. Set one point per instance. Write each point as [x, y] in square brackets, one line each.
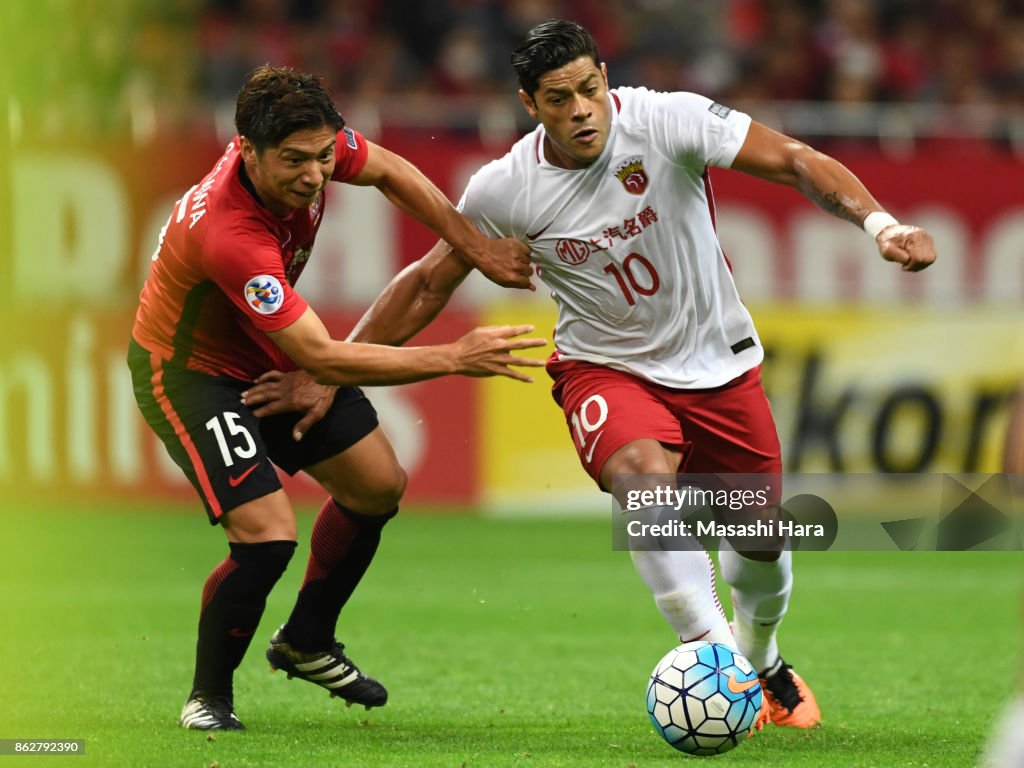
[264, 294]
[573, 252]
[295, 265]
[632, 175]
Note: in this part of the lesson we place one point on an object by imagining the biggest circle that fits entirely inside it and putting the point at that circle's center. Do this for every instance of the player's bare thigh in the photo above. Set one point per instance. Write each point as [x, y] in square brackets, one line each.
[644, 456]
[366, 477]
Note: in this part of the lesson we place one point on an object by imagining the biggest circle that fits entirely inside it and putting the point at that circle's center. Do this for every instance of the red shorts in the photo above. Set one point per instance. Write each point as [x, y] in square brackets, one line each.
[727, 429]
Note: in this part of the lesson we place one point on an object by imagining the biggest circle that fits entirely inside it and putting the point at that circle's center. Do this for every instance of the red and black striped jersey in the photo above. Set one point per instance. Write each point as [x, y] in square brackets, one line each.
[225, 269]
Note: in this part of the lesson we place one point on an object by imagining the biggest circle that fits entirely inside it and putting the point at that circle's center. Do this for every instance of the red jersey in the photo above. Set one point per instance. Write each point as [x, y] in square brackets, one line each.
[224, 272]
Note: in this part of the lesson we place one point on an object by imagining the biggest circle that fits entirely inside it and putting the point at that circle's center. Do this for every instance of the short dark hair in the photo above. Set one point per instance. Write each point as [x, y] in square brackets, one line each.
[275, 102]
[550, 45]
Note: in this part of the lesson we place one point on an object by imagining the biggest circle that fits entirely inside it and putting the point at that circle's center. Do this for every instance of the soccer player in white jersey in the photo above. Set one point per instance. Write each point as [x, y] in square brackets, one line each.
[657, 362]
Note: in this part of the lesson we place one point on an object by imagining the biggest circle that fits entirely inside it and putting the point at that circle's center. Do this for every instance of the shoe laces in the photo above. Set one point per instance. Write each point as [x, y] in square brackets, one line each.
[220, 707]
[783, 688]
[337, 650]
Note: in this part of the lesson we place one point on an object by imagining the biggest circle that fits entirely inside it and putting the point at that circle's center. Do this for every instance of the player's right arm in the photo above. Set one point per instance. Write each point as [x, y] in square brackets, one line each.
[481, 352]
[419, 292]
[503, 260]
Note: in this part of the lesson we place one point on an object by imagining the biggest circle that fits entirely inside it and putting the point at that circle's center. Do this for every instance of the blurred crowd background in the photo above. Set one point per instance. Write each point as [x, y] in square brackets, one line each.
[116, 107]
[109, 66]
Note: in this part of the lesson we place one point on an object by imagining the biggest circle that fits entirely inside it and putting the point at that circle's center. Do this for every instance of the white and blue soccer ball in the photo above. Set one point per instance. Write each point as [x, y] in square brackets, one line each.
[703, 698]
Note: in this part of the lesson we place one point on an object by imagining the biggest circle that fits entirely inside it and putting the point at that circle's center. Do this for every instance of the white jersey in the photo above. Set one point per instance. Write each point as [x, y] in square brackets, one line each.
[628, 244]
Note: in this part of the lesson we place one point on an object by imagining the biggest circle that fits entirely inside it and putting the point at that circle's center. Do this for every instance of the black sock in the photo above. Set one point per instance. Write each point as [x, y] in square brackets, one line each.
[342, 546]
[234, 597]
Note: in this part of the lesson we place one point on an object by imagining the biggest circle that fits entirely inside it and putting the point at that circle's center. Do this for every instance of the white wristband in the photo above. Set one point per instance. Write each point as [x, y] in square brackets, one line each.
[876, 221]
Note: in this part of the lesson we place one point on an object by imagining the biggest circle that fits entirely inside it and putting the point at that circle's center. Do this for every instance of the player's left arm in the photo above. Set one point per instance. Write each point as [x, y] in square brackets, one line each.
[505, 261]
[825, 181]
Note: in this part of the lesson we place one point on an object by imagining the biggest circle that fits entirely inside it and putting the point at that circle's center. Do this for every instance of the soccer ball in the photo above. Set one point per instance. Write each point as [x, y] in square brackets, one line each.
[703, 698]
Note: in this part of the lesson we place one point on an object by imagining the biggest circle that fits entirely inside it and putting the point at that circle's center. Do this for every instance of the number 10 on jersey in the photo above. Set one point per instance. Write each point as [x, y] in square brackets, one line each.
[631, 277]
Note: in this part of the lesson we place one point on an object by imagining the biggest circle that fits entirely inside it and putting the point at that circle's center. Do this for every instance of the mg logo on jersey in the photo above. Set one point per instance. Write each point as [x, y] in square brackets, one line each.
[573, 252]
[633, 176]
[264, 294]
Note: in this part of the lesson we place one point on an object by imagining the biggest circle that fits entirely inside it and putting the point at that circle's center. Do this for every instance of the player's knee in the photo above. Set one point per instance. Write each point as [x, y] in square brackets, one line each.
[763, 555]
[267, 558]
[378, 494]
[277, 555]
[263, 520]
[640, 457]
[387, 493]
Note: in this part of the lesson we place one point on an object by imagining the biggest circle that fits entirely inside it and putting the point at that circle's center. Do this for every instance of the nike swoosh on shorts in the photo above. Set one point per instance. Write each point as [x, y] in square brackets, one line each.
[234, 482]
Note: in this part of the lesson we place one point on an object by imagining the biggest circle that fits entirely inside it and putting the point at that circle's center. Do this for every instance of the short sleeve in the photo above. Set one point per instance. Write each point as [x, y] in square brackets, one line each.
[486, 202]
[350, 152]
[246, 266]
[694, 130]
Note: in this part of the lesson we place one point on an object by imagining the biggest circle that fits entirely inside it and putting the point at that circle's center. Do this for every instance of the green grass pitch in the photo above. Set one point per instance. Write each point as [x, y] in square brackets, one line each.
[502, 643]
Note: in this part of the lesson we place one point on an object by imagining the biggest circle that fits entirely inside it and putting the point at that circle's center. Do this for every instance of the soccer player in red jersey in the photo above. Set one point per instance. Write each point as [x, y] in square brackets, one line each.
[218, 309]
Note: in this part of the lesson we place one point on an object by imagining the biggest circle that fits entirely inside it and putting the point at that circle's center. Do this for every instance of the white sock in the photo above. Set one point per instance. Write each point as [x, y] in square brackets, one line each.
[760, 596]
[1006, 744]
[683, 585]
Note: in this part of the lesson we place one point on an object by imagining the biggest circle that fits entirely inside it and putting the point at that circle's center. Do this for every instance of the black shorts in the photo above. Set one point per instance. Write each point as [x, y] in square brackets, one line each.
[226, 452]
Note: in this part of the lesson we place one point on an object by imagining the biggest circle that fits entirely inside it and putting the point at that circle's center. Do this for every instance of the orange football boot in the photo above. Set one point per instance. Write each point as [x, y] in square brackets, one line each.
[764, 716]
[789, 700]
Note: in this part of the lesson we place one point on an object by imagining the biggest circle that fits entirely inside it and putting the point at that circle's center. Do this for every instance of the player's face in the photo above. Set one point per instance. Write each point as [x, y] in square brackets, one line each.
[294, 173]
[572, 104]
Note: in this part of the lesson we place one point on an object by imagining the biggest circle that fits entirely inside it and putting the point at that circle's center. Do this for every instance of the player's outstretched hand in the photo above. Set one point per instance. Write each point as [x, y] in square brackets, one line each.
[910, 246]
[276, 392]
[505, 262]
[487, 351]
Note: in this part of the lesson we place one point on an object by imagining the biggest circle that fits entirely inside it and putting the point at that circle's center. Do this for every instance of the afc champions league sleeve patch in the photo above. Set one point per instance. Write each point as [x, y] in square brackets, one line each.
[264, 294]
